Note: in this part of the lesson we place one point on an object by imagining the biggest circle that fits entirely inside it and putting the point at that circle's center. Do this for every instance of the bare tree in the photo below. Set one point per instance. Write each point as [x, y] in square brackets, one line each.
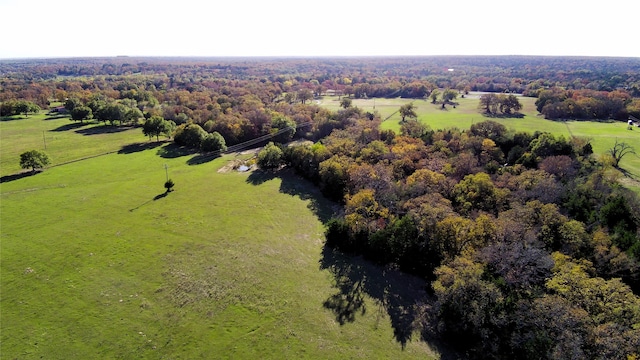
[620, 150]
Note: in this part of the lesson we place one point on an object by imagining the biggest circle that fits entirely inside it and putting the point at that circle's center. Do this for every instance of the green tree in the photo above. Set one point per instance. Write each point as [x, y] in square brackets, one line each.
[283, 128]
[34, 159]
[213, 142]
[434, 96]
[449, 95]
[270, 157]
[156, 126]
[408, 111]
[72, 103]
[81, 113]
[26, 107]
[133, 115]
[345, 103]
[189, 135]
[488, 102]
[304, 95]
[509, 104]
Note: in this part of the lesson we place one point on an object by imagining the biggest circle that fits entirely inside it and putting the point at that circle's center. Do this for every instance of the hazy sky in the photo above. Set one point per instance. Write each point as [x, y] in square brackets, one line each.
[70, 28]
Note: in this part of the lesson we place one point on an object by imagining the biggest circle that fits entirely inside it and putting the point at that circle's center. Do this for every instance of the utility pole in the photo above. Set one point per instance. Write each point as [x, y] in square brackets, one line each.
[166, 170]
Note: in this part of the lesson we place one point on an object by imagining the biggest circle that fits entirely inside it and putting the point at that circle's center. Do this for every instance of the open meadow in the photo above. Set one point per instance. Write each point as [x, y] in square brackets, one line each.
[603, 134]
[97, 261]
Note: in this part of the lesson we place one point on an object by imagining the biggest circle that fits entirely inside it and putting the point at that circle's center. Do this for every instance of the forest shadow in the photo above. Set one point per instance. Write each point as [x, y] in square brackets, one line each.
[102, 129]
[402, 297]
[202, 159]
[172, 151]
[18, 176]
[67, 127]
[259, 176]
[137, 147]
[294, 185]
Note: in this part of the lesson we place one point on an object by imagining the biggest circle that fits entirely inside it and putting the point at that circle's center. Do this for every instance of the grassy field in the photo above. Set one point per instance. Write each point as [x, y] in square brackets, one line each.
[97, 262]
[603, 134]
[61, 138]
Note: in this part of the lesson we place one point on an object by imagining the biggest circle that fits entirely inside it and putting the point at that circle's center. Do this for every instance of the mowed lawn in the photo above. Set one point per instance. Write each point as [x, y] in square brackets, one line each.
[602, 134]
[96, 262]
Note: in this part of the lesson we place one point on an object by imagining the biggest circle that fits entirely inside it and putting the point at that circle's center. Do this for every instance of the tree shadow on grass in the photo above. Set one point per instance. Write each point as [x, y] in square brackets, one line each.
[172, 151]
[12, 117]
[137, 147]
[18, 176]
[294, 185]
[55, 116]
[260, 176]
[155, 198]
[503, 116]
[401, 297]
[103, 129]
[70, 126]
[202, 159]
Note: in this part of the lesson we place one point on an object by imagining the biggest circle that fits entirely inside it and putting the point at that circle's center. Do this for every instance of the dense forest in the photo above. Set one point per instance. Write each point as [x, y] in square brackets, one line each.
[531, 248]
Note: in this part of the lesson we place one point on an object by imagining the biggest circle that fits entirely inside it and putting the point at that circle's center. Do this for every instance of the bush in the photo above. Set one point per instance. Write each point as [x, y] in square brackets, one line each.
[189, 135]
[213, 142]
[270, 157]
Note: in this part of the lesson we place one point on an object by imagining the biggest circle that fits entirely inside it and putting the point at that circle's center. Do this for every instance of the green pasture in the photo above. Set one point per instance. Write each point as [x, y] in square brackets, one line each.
[603, 134]
[64, 140]
[97, 262]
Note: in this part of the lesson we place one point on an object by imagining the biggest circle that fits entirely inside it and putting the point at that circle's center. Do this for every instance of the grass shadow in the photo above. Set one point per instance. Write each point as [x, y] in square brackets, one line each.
[102, 129]
[172, 151]
[202, 159]
[18, 176]
[67, 127]
[137, 147]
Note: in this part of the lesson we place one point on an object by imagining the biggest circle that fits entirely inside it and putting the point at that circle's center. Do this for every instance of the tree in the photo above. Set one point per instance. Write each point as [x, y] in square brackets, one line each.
[156, 126]
[488, 102]
[111, 112]
[270, 157]
[449, 95]
[213, 142]
[190, 135]
[408, 110]
[72, 103]
[304, 95]
[34, 159]
[81, 112]
[169, 184]
[509, 103]
[283, 128]
[26, 107]
[345, 103]
[434, 96]
[132, 115]
[620, 150]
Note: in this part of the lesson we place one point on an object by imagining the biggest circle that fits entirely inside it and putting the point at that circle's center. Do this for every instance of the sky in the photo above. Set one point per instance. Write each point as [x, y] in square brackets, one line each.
[79, 28]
